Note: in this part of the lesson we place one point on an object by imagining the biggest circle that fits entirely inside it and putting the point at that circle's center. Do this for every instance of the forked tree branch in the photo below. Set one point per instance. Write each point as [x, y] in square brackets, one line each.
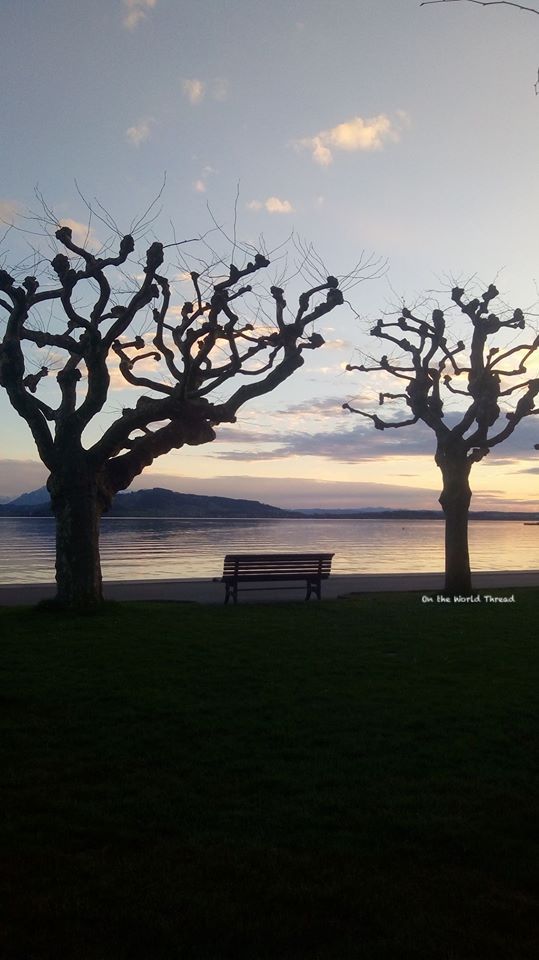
[484, 3]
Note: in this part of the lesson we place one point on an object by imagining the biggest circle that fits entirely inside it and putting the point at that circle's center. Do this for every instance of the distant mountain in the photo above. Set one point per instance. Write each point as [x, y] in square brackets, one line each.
[162, 503]
[166, 503]
[153, 503]
[31, 499]
[340, 511]
[367, 513]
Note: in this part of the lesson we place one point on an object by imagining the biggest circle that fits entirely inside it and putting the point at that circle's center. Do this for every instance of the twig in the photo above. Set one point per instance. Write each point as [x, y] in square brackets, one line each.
[485, 3]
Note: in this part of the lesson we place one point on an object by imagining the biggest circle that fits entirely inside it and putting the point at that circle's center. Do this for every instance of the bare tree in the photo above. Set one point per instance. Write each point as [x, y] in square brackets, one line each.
[197, 351]
[433, 371]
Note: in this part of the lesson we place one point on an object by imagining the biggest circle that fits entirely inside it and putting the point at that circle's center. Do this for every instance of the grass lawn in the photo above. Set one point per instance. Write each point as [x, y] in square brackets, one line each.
[323, 781]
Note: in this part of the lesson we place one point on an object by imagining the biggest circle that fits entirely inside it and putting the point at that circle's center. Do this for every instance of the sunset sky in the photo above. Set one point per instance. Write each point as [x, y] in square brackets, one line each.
[374, 128]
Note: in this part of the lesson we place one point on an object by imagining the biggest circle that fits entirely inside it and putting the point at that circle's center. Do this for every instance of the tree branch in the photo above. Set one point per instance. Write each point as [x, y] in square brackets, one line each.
[12, 378]
[378, 422]
[190, 427]
[484, 3]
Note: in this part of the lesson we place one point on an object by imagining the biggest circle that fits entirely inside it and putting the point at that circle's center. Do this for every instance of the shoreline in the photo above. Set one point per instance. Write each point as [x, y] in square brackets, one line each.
[207, 591]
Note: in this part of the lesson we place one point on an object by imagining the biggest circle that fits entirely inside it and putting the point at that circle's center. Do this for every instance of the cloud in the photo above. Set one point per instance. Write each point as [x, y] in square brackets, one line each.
[200, 185]
[272, 205]
[149, 367]
[357, 440]
[315, 407]
[8, 210]
[343, 445]
[83, 236]
[194, 90]
[352, 135]
[135, 11]
[139, 132]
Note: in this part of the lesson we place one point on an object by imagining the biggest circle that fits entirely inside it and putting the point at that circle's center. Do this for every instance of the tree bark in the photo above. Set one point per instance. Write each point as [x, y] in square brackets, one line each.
[455, 502]
[78, 503]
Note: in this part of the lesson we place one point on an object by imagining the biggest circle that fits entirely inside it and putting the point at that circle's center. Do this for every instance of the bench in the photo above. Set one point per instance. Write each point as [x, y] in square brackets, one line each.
[310, 568]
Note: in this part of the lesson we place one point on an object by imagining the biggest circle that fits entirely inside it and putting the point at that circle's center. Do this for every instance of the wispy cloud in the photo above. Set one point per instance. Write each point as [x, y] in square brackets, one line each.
[149, 367]
[358, 445]
[139, 132]
[357, 134]
[272, 205]
[82, 234]
[200, 185]
[352, 440]
[8, 210]
[135, 11]
[194, 90]
[319, 407]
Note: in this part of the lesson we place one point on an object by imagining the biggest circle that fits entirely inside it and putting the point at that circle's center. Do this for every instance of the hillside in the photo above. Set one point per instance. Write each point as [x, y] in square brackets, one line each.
[165, 503]
[162, 503]
[155, 503]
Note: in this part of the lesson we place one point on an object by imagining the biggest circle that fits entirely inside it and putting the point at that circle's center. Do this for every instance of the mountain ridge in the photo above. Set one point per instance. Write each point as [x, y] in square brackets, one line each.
[162, 503]
[154, 502]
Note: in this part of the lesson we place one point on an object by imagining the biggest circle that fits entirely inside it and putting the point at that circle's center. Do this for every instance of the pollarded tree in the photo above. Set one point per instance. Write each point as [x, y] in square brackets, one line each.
[198, 351]
[433, 371]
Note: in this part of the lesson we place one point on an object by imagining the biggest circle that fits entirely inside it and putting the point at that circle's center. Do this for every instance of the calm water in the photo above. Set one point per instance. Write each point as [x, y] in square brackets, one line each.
[140, 549]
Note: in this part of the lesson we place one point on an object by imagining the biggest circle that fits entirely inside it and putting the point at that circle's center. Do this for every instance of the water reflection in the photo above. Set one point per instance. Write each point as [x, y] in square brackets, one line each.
[146, 548]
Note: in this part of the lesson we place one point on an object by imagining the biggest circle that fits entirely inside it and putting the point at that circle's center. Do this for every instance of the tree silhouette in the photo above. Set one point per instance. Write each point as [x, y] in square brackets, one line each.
[197, 351]
[433, 371]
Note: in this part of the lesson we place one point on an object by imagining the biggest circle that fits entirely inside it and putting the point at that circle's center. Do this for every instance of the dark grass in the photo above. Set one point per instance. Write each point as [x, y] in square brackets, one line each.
[350, 779]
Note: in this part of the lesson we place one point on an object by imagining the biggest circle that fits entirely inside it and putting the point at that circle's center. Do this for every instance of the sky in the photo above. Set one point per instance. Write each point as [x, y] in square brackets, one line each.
[377, 131]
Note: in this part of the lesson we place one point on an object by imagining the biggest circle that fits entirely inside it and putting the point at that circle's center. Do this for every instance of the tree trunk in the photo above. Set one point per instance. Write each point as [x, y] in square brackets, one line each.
[455, 501]
[78, 504]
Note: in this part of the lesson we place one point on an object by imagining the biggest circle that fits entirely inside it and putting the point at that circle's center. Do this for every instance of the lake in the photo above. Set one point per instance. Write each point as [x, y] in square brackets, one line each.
[167, 549]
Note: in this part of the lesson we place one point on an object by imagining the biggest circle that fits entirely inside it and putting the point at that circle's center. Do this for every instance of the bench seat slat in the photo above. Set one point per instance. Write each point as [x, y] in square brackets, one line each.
[276, 576]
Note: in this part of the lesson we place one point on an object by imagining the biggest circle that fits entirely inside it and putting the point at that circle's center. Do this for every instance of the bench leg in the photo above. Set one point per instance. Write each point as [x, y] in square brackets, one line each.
[231, 591]
[316, 586]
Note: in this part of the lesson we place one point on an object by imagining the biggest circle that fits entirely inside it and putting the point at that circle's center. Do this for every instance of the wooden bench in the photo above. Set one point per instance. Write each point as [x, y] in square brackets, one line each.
[311, 568]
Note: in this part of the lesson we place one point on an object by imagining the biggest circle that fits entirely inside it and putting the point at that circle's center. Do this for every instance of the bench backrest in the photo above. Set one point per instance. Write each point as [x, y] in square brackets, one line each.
[278, 564]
